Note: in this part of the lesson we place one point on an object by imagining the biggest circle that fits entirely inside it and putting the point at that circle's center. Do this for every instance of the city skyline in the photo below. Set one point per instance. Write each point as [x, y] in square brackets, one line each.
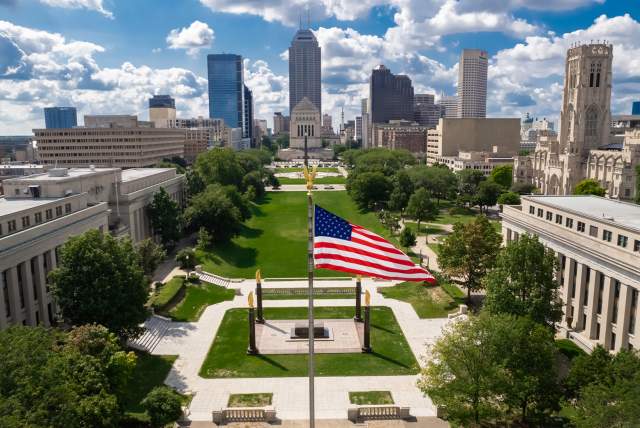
[85, 57]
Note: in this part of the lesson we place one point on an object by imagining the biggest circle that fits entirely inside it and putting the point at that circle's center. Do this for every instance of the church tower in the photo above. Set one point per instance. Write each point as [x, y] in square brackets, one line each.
[586, 99]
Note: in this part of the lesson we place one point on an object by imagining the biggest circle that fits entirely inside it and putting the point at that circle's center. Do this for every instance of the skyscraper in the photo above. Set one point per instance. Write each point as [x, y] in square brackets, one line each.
[391, 96]
[226, 88]
[60, 117]
[366, 122]
[449, 106]
[247, 126]
[304, 69]
[162, 109]
[425, 111]
[635, 107]
[472, 83]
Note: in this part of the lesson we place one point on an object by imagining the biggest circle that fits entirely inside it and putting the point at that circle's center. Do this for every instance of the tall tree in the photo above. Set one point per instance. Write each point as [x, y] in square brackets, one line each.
[220, 166]
[99, 280]
[370, 190]
[487, 194]
[421, 207]
[402, 191]
[589, 186]
[151, 255]
[469, 252]
[165, 218]
[195, 183]
[468, 182]
[407, 238]
[524, 282]
[214, 210]
[523, 188]
[439, 181]
[503, 175]
[509, 198]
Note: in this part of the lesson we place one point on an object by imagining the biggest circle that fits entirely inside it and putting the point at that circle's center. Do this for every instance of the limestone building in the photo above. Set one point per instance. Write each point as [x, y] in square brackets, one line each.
[597, 242]
[401, 134]
[585, 148]
[305, 120]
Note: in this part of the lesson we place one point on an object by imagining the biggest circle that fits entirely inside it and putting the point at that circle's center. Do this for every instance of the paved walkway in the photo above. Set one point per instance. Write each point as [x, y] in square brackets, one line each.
[303, 188]
[191, 342]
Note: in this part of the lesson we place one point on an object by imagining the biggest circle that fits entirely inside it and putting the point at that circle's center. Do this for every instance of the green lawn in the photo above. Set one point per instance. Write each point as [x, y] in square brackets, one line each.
[298, 169]
[338, 179]
[428, 302]
[275, 238]
[228, 357]
[163, 296]
[364, 398]
[150, 371]
[425, 229]
[197, 298]
[250, 400]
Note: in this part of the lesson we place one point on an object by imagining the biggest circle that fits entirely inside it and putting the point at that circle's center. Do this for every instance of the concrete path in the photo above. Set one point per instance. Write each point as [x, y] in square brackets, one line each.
[191, 342]
[303, 188]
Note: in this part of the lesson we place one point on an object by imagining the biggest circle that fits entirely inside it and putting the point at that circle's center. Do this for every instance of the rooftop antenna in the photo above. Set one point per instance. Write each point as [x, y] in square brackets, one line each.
[300, 17]
[308, 18]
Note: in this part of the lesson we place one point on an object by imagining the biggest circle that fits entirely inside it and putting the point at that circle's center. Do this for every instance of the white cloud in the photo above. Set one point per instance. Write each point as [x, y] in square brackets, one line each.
[95, 5]
[193, 38]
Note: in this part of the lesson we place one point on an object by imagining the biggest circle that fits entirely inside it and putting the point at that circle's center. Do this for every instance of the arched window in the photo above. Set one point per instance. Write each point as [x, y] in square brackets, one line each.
[591, 74]
[598, 70]
[591, 122]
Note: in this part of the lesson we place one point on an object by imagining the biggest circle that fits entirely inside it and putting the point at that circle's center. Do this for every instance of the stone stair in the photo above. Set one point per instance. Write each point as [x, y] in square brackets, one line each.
[213, 279]
[155, 328]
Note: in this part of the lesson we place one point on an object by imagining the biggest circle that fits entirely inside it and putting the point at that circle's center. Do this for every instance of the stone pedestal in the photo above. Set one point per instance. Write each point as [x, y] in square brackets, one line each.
[252, 350]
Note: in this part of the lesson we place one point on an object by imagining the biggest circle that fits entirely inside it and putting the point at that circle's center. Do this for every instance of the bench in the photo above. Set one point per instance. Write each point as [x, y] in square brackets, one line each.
[373, 412]
[244, 414]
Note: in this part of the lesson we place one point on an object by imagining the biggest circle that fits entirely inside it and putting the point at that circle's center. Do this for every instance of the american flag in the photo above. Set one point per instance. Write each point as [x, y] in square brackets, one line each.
[342, 246]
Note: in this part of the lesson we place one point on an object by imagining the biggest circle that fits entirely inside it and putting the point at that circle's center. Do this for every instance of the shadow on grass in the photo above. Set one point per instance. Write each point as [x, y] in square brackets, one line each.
[272, 362]
[383, 329]
[235, 255]
[249, 232]
[390, 360]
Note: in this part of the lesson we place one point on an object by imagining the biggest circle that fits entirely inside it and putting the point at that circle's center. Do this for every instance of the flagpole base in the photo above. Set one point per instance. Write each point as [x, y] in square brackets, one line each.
[367, 350]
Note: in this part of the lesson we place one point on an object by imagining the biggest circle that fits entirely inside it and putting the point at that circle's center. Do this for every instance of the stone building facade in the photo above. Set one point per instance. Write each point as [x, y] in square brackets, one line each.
[305, 120]
[585, 148]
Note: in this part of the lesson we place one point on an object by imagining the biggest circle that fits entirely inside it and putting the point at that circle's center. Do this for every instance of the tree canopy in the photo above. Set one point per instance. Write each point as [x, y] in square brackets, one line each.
[369, 190]
[470, 251]
[509, 198]
[503, 175]
[487, 194]
[99, 280]
[439, 181]
[165, 217]
[589, 186]
[215, 210]
[421, 207]
[524, 282]
[151, 255]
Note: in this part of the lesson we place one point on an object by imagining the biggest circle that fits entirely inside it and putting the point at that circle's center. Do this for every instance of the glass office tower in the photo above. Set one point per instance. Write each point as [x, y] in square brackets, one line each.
[226, 89]
[60, 117]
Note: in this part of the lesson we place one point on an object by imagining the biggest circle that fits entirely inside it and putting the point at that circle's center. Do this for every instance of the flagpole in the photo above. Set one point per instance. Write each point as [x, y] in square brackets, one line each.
[310, 176]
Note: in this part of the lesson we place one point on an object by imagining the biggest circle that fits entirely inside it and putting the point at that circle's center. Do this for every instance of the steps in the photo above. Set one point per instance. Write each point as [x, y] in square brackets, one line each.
[155, 328]
[214, 279]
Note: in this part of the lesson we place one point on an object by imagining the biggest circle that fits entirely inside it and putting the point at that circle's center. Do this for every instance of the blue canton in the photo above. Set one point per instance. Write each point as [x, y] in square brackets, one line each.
[330, 225]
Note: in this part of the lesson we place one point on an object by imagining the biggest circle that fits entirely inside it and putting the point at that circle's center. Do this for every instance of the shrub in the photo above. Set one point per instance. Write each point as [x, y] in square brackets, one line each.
[187, 258]
[163, 406]
[167, 292]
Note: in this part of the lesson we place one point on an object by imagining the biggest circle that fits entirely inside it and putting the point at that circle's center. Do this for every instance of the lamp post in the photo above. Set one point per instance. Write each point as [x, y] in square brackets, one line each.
[260, 317]
[367, 323]
[358, 317]
[252, 350]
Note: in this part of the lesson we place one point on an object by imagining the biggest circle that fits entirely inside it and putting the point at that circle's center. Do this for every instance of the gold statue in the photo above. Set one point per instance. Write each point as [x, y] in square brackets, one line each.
[250, 299]
[359, 277]
[309, 176]
[258, 279]
[367, 298]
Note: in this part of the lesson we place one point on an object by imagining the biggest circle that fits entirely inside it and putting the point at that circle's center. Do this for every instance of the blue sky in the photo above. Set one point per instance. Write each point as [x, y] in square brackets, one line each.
[109, 56]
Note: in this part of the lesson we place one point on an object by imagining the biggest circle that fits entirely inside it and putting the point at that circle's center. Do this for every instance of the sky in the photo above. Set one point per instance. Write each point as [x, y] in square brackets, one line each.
[110, 56]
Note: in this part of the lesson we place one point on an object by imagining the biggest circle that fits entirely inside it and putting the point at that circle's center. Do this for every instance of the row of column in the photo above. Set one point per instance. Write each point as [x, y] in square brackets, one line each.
[599, 306]
[24, 293]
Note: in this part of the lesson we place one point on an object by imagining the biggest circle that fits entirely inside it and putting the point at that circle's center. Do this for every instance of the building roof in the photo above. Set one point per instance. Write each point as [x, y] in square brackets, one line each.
[602, 209]
[133, 174]
[71, 173]
[12, 206]
[305, 104]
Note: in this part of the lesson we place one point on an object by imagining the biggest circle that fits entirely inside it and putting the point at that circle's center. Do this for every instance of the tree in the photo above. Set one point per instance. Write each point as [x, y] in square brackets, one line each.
[509, 198]
[220, 165]
[163, 406]
[493, 367]
[523, 188]
[186, 258]
[421, 207]
[214, 210]
[407, 238]
[503, 175]
[99, 280]
[204, 239]
[487, 194]
[589, 186]
[254, 179]
[385, 161]
[468, 182]
[283, 141]
[439, 181]
[469, 252]
[389, 221]
[58, 380]
[369, 190]
[402, 191]
[164, 215]
[524, 283]
[195, 183]
[151, 255]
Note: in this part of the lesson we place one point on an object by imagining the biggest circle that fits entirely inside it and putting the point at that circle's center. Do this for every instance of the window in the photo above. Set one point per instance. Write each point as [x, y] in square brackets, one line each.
[597, 331]
[67, 208]
[632, 312]
[612, 345]
[580, 227]
[558, 219]
[569, 223]
[5, 289]
[532, 209]
[0, 229]
[598, 70]
[585, 294]
[593, 231]
[38, 217]
[48, 214]
[16, 192]
[26, 221]
[58, 211]
[540, 212]
[636, 244]
[622, 241]
[600, 291]
[549, 215]
[616, 298]
[592, 73]
[591, 125]
[11, 225]
[606, 235]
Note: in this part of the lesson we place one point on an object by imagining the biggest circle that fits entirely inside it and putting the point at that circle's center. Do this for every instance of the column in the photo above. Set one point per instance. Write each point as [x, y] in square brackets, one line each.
[581, 279]
[567, 319]
[41, 280]
[14, 295]
[3, 309]
[591, 304]
[624, 311]
[607, 309]
[29, 298]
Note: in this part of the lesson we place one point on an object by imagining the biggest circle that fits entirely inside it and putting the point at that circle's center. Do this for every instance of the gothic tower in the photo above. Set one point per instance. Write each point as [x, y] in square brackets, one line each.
[586, 100]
